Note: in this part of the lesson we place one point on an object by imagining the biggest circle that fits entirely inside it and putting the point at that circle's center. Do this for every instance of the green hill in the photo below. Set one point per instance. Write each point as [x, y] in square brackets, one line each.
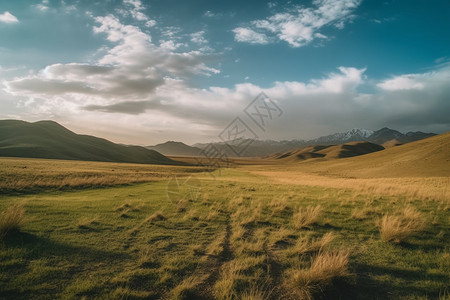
[48, 139]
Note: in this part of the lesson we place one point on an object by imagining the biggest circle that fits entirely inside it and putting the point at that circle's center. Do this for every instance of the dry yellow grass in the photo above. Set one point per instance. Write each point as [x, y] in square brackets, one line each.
[426, 188]
[11, 219]
[23, 174]
[216, 246]
[185, 289]
[279, 206]
[306, 216]
[256, 293]
[310, 245]
[87, 222]
[224, 287]
[397, 228]
[362, 213]
[157, 216]
[326, 266]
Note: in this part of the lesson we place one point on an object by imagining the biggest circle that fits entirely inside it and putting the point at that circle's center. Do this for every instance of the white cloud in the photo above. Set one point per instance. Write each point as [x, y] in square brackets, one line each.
[403, 82]
[144, 87]
[8, 18]
[199, 38]
[150, 23]
[209, 14]
[136, 12]
[249, 36]
[172, 108]
[299, 26]
[43, 7]
[170, 45]
[133, 69]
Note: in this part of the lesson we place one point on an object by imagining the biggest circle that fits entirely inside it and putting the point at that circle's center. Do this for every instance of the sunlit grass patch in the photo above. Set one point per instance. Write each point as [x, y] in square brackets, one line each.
[325, 267]
[11, 220]
[306, 216]
[397, 228]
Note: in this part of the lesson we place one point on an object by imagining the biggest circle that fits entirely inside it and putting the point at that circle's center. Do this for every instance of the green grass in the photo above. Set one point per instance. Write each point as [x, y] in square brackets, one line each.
[235, 239]
[24, 176]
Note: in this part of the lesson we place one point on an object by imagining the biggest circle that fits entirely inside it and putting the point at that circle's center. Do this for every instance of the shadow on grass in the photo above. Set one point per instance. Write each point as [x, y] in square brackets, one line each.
[369, 288]
[40, 247]
[58, 263]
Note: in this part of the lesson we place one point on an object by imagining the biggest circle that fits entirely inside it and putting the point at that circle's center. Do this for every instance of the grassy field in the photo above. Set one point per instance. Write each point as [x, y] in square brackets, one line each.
[110, 231]
[18, 175]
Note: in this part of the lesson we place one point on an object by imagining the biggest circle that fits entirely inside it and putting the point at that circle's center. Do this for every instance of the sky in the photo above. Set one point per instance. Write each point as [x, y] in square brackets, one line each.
[144, 72]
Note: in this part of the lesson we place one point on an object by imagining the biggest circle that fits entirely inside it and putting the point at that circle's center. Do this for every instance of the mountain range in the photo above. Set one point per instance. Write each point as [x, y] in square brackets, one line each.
[259, 148]
[48, 139]
[172, 148]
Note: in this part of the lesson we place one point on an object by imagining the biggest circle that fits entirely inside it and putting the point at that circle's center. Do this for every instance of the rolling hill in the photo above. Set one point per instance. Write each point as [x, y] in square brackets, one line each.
[48, 139]
[172, 148]
[427, 157]
[330, 152]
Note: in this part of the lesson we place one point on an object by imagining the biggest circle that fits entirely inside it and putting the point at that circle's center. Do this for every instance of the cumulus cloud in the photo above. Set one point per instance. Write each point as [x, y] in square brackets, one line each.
[199, 37]
[318, 106]
[299, 26]
[8, 18]
[403, 82]
[145, 86]
[134, 68]
[314, 106]
[136, 9]
[248, 35]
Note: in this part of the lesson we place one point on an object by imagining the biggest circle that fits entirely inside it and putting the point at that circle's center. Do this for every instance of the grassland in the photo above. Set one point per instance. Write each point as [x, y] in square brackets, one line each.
[18, 175]
[109, 231]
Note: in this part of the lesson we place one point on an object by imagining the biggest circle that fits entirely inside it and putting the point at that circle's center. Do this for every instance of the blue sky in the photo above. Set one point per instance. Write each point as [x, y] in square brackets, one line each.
[145, 72]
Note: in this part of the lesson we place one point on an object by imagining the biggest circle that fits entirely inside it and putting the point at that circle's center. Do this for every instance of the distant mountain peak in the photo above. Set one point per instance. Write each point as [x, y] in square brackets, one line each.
[174, 148]
[355, 134]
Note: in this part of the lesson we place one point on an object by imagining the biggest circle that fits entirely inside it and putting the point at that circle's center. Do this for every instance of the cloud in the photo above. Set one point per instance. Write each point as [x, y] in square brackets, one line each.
[209, 14]
[299, 26]
[127, 107]
[132, 69]
[136, 12]
[8, 18]
[43, 6]
[247, 35]
[171, 109]
[199, 38]
[318, 106]
[145, 86]
[403, 82]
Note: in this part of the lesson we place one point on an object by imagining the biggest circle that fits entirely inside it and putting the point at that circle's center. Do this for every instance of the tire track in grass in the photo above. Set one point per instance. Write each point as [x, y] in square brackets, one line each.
[205, 290]
[275, 271]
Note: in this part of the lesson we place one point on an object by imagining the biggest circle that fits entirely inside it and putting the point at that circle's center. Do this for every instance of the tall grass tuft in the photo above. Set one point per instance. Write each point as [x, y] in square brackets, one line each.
[325, 267]
[313, 245]
[11, 219]
[256, 292]
[306, 216]
[397, 228]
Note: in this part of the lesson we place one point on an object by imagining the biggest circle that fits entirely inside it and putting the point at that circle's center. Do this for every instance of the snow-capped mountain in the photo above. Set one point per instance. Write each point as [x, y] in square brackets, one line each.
[356, 134]
[266, 147]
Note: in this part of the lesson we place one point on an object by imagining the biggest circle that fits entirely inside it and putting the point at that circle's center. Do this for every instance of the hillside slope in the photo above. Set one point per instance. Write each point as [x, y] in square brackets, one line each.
[427, 157]
[329, 152]
[48, 139]
[172, 148]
